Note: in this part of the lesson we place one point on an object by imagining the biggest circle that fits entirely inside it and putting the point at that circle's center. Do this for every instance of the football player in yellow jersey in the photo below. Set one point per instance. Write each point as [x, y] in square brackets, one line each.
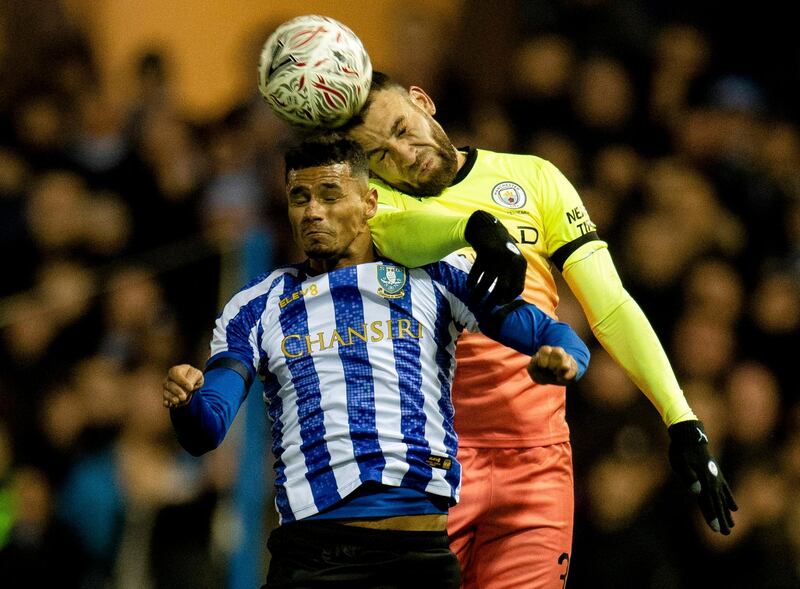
[513, 527]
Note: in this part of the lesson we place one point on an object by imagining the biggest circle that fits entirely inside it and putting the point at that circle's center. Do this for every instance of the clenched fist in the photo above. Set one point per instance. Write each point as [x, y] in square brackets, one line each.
[181, 383]
[552, 365]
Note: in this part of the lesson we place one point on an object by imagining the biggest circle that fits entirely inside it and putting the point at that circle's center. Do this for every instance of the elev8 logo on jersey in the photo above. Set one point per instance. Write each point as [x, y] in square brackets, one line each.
[311, 290]
[509, 195]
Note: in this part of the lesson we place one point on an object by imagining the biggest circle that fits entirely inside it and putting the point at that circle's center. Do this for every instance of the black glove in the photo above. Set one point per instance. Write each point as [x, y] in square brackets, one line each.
[497, 259]
[690, 458]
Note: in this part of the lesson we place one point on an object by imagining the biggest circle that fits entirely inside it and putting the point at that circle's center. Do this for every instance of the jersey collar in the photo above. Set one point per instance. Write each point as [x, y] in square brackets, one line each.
[472, 156]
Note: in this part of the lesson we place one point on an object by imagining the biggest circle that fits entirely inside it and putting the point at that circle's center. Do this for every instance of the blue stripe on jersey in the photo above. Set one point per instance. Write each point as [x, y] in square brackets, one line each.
[453, 279]
[412, 411]
[260, 369]
[237, 333]
[294, 320]
[444, 361]
[360, 385]
[275, 410]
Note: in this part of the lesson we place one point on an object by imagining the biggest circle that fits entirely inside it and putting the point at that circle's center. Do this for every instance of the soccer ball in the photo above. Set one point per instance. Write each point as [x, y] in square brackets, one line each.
[314, 72]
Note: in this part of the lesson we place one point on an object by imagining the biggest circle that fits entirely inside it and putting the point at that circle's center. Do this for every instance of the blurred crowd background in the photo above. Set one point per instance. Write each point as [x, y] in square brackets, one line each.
[121, 223]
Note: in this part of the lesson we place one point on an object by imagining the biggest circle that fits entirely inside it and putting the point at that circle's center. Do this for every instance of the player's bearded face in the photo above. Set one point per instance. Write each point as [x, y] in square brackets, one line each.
[406, 147]
[444, 165]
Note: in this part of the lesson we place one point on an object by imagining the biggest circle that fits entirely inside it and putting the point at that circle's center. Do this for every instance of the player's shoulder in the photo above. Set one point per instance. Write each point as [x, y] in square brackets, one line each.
[525, 162]
[452, 267]
[266, 281]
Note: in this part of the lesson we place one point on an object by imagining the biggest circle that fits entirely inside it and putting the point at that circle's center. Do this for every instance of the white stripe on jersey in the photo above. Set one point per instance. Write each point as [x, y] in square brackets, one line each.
[459, 307]
[424, 301]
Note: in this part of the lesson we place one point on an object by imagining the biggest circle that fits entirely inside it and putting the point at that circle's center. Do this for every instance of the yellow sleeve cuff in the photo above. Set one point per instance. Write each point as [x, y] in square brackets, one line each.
[416, 237]
[622, 328]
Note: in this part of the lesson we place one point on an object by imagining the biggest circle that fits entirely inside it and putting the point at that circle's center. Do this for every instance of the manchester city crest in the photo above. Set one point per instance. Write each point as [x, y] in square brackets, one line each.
[392, 279]
[509, 195]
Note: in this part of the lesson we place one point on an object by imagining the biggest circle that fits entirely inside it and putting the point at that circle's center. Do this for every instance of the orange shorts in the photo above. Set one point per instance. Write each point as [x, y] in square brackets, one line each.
[512, 528]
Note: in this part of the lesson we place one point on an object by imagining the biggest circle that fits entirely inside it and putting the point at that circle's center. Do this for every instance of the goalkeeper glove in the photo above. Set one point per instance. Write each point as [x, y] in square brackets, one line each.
[498, 261]
[697, 468]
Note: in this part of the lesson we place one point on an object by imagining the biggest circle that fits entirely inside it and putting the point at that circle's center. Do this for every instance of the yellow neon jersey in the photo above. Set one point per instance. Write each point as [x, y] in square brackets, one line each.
[544, 213]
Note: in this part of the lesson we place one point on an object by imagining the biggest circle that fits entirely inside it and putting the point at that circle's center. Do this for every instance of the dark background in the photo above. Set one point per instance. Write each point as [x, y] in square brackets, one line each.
[120, 222]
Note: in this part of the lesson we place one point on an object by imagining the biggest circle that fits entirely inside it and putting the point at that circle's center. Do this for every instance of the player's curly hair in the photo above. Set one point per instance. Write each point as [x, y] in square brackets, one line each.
[326, 148]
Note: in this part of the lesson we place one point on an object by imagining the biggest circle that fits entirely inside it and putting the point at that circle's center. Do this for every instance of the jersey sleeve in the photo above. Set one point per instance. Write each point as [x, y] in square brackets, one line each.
[566, 222]
[526, 328]
[412, 235]
[202, 424]
[622, 328]
[235, 341]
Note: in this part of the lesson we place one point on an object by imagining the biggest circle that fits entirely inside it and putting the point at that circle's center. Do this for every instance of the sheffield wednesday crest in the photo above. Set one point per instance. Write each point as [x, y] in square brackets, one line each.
[392, 279]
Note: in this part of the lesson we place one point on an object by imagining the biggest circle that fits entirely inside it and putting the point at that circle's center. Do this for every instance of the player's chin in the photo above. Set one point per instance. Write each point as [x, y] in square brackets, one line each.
[320, 251]
[427, 187]
[433, 182]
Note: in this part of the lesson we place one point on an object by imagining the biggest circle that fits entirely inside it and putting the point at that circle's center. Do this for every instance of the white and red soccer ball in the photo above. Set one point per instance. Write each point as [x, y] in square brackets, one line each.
[314, 72]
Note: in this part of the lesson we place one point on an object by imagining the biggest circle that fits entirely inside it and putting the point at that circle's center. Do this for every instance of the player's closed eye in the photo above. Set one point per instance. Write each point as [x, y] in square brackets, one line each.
[297, 200]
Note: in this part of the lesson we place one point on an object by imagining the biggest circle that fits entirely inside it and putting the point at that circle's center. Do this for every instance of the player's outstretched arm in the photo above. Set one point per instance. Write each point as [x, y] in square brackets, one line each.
[558, 355]
[519, 325]
[202, 406]
[416, 237]
[624, 331]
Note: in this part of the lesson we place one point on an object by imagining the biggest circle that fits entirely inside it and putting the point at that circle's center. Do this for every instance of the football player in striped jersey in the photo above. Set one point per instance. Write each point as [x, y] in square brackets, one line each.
[357, 355]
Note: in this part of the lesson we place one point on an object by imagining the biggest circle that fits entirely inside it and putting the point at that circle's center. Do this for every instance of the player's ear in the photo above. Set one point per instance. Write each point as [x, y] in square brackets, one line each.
[371, 203]
[422, 100]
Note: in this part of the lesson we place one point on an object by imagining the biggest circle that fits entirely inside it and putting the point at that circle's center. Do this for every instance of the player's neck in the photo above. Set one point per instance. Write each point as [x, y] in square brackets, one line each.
[461, 159]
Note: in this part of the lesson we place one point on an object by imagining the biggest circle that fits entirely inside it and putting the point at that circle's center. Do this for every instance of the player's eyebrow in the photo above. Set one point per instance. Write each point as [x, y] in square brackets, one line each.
[399, 122]
[298, 189]
[302, 188]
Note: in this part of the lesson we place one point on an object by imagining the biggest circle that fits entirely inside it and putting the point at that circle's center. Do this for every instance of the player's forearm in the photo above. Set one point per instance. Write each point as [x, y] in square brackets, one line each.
[628, 336]
[414, 238]
[622, 328]
[202, 424]
[527, 328]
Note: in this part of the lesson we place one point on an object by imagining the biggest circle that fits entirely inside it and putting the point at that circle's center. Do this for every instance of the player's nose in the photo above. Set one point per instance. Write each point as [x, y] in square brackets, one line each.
[313, 210]
[405, 154]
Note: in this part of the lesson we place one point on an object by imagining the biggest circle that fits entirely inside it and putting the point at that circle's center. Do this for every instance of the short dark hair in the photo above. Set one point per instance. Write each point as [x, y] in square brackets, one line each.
[383, 81]
[380, 81]
[326, 149]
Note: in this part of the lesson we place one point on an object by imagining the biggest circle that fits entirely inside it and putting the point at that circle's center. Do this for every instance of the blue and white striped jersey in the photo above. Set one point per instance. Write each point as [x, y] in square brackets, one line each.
[357, 365]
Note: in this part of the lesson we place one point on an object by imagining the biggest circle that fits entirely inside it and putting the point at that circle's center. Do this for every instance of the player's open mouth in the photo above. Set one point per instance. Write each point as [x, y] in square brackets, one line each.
[425, 166]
